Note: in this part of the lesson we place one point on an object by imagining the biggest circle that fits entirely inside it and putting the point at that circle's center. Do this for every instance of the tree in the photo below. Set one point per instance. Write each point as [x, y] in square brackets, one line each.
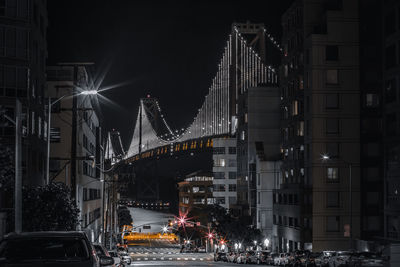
[124, 217]
[49, 208]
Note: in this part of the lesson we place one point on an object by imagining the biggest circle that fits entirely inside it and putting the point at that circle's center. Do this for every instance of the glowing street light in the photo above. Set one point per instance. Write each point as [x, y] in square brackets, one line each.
[89, 92]
[266, 242]
[165, 229]
[255, 242]
[325, 157]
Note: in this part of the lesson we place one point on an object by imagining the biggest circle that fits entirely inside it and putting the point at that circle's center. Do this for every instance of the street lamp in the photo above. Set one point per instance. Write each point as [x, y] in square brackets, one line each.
[266, 242]
[87, 92]
[326, 157]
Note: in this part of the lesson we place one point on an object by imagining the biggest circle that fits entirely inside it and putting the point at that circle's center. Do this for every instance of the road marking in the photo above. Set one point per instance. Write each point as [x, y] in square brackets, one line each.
[138, 259]
[186, 259]
[201, 259]
[146, 259]
[154, 259]
[178, 259]
[193, 259]
[170, 259]
[162, 258]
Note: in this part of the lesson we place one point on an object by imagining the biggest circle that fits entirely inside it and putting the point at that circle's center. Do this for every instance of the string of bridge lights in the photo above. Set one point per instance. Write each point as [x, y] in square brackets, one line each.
[213, 116]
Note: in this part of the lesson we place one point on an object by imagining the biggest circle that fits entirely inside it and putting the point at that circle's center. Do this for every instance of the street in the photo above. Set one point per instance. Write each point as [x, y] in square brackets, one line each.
[186, 263]
[155, 219]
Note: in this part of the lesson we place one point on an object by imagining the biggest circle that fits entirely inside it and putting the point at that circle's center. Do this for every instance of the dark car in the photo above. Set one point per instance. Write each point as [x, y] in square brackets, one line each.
[251, 257]
[50, 249]
[220, 256]
[262, 257]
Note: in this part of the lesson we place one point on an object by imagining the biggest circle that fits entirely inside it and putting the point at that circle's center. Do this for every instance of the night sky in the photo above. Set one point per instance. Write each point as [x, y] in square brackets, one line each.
[167, 49]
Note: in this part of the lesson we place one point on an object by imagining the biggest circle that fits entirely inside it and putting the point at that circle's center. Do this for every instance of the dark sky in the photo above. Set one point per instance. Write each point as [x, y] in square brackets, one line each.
[167, 49]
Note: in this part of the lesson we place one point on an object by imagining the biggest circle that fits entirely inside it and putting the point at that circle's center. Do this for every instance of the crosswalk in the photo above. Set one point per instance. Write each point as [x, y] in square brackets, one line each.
[166, 254]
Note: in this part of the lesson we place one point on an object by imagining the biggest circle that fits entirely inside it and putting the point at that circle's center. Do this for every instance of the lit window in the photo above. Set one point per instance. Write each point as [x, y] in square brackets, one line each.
[333, 174]
[219, 163]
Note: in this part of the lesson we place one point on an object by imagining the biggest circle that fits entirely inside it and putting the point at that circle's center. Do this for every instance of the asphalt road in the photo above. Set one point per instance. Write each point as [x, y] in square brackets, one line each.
[155, 219]
[163, 253]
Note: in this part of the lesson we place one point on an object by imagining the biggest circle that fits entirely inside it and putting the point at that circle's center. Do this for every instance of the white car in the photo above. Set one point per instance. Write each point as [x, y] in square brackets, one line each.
[341, 258]
[116, 257]
[282, 259]
[125, 257]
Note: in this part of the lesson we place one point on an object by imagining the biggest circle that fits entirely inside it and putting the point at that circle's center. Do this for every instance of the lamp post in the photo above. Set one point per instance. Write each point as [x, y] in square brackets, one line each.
[50, 104]
[326, 157]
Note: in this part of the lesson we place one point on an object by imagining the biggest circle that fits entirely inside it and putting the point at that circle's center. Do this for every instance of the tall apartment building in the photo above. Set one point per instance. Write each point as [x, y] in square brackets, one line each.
[23, 53]
[391, 102]
[257, 136]
[87, 179]
[371, 148]
[320, 115]
[224, 171]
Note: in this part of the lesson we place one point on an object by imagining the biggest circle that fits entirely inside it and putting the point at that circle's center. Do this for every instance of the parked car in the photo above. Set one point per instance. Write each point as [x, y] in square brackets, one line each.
[125, 257]
[250, 257]
[231, 257]
[282, 259]
[102, 251]
[311, 259]
[366, 259]
[262, 256]
[323, 259]
[241, 257]
[116, 257]
[220, 256]
[341, 258]
[50, 249]
[271, 258]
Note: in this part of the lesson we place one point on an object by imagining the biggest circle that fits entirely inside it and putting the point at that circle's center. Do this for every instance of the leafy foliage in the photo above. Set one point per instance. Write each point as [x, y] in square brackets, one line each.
[49, 208]
[124, 216]
[6, 166]
[229, 227]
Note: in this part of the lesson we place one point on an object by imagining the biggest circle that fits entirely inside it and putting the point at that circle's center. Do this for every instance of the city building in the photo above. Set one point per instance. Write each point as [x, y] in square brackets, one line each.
[224, 171]
[371, 147]
[76, 151]
[258, 136]
[195, 191]
[23, 53]
[320, 119]
[391, 108]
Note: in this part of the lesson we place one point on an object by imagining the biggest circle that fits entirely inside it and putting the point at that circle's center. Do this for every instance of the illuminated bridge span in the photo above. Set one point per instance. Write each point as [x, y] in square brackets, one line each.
[243, 65]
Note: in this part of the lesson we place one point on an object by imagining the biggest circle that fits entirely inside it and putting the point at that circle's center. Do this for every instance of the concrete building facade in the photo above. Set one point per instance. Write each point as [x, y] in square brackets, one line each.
[23, 53]
[224, 171]
[320, 115]
[89, 145]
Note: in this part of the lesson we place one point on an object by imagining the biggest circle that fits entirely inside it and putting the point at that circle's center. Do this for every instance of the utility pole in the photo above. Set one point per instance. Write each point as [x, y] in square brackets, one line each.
[140, 126]
[74, 135]
[18, 171]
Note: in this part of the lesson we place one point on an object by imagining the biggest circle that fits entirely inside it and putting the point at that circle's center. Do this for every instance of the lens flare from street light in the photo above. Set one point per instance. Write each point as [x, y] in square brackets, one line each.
[89, 92]
[165, 229]
[325, 157]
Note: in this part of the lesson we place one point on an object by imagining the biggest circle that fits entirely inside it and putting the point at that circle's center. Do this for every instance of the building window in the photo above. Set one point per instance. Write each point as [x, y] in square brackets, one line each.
[332, 76]
[232, 150]
[332, 174]
[232, 175]
[332, 101]
[300, 128]
[220, 200]
[295, 108]
[372, 100]
[332, 199]
[231, 163]
[390, 90]
[219, 162]
[332, 223]
[219, 187]
[332, 52]
[218, 150]
[332, 149]
[232, 188]
[55, 135]
[332, 126]
[219, 175]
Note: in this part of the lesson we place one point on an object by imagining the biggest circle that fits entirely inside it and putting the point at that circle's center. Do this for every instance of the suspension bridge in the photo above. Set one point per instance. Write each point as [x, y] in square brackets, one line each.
[247, 61]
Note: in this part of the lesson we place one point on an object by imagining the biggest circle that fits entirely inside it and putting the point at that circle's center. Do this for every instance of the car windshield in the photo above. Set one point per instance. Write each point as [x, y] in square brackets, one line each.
[46, 248]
